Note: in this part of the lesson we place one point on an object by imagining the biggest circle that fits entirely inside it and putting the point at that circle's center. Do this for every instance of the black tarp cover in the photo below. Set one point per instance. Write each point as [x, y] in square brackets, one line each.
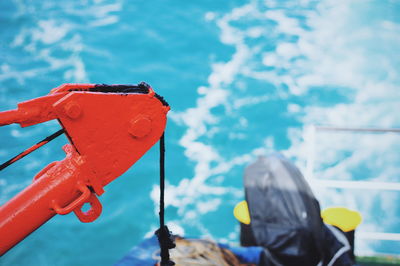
[285, 216]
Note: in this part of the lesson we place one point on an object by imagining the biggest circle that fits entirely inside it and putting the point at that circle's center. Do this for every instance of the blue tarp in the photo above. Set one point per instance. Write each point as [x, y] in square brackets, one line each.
[142, 254]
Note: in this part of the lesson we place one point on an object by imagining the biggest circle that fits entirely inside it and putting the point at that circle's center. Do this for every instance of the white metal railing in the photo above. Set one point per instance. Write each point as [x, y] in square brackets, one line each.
[356, 184]
[310, 138]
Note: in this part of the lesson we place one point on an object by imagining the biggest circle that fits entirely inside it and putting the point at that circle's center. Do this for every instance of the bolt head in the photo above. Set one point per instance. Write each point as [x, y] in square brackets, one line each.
[140, 127]
[73, 110]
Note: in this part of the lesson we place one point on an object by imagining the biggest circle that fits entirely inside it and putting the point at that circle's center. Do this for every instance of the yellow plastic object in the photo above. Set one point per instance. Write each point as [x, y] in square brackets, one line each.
[347, 220]
[241, 212]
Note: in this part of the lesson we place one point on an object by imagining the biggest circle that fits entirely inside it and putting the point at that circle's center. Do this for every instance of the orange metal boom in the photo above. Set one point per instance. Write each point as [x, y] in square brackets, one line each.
[109, 127]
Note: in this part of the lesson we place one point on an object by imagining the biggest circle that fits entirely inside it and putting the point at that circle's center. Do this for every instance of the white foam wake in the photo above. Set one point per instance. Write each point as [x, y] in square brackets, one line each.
[312, 48]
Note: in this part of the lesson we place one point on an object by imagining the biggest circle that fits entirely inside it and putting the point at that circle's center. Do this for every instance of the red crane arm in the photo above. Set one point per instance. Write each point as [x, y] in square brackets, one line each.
[109, 128]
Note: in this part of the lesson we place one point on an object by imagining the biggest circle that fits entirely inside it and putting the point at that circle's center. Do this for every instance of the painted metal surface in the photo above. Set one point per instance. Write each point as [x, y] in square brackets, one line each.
[109, 128]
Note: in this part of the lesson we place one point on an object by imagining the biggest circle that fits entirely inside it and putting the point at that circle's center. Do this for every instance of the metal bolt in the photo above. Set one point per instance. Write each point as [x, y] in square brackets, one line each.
[140, 127]
[73, 110]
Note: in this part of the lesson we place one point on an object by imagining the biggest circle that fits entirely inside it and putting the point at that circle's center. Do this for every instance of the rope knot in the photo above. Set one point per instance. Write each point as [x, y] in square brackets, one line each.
[165, 237]
[166, 241]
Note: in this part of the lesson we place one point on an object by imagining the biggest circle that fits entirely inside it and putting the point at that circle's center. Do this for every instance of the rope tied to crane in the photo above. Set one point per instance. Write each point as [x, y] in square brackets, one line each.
[165, 238]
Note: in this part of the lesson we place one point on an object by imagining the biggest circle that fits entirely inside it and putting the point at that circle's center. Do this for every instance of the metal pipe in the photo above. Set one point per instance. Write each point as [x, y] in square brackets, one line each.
[33, 206]
[9, 117]
[357, 129]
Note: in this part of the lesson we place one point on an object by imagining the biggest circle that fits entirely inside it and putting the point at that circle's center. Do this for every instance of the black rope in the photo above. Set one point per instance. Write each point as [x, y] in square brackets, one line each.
[31, 149]
[165, 239]
[141, 88]
[162, 179]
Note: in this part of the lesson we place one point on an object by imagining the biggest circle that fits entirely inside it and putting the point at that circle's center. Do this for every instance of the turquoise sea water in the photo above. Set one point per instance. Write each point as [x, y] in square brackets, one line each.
[243, 79]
